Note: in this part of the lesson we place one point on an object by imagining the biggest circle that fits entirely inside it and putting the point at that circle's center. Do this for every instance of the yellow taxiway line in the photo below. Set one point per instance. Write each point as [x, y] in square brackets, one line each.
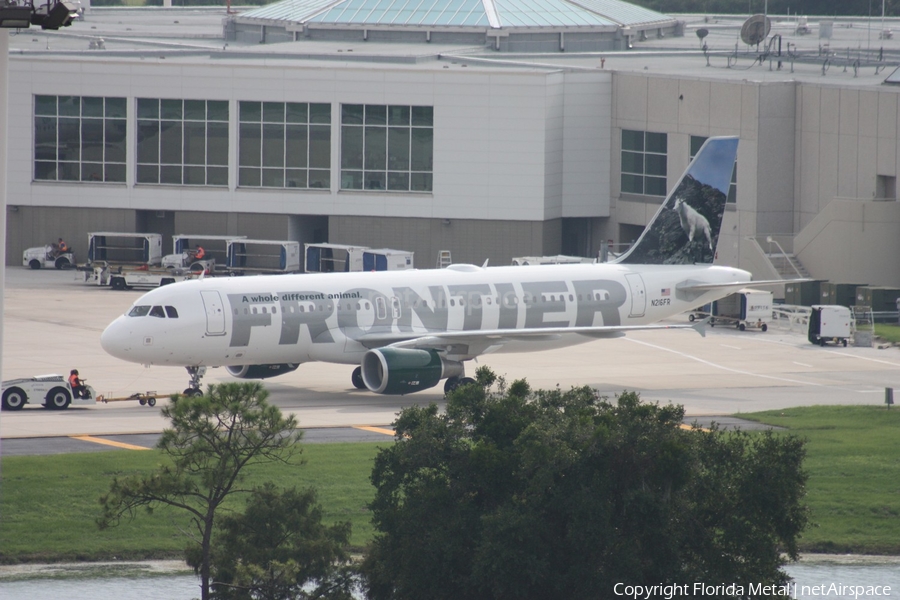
[389, 432]
[96, 440]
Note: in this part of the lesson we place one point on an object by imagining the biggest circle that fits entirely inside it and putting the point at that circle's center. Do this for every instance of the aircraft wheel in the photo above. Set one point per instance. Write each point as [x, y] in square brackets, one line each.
[13, 399]
[451, 384]
[58, 398]
[192, 392]
[467, 381]
[691, 317]
[34, 264]
[357, 380]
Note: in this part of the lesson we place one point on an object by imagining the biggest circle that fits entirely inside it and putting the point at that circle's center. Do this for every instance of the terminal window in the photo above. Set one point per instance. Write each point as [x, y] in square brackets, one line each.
[387, 148]
[644, 162]
[696, 143]
[182, 142]
[284, 145]
[79, 138]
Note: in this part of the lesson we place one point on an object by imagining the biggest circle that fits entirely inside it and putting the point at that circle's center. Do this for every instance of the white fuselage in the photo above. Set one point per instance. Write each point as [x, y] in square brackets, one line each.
[337, 317]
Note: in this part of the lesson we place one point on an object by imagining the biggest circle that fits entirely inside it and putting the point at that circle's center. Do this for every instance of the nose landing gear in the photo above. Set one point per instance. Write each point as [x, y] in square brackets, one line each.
[193, 388]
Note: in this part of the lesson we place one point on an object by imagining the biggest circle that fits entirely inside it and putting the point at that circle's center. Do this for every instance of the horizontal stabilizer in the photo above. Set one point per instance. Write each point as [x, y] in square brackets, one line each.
[733, 285]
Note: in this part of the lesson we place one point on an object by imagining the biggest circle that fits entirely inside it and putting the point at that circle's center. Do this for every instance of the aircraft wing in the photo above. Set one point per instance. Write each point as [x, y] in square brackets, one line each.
[483, 341]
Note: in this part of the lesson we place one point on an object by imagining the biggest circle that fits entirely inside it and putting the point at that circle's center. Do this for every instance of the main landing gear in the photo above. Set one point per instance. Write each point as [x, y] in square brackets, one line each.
[454, 382]
[449, 385]
[357, 379]
[193, 388]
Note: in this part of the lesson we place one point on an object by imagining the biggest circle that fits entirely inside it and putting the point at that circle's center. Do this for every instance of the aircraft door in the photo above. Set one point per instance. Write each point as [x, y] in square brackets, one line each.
[215, 312]
[638, 294]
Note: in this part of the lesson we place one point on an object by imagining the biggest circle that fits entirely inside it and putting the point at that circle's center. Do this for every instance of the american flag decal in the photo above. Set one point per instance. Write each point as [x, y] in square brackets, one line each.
[665, 292]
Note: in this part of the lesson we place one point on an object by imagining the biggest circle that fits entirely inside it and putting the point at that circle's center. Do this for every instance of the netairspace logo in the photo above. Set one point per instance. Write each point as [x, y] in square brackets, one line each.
[792, 590]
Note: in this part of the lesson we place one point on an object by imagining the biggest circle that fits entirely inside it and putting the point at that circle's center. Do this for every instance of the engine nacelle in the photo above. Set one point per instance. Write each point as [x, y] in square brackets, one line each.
[260, 371]
[404, 370]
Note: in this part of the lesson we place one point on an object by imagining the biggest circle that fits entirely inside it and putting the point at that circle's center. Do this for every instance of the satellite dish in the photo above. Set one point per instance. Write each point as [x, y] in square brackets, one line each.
[702, 32]
[755, 29]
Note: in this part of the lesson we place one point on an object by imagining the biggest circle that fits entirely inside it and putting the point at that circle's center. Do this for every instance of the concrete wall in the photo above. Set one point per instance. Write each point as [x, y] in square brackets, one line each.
[845, 139]
[853, 241]
[524, 145]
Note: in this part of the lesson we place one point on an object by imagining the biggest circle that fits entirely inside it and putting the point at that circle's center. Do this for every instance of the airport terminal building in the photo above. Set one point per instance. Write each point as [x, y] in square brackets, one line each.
[491, 129]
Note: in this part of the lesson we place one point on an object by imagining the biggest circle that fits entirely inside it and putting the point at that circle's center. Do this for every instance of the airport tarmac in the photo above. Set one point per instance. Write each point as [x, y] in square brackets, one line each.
[53, 320]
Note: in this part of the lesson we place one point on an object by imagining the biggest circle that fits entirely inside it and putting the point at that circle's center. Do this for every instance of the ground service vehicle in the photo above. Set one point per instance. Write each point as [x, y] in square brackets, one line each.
[744, 309]
[830, 323]
[53, 391]
[148, 278]
[341, 258]
[47, 258]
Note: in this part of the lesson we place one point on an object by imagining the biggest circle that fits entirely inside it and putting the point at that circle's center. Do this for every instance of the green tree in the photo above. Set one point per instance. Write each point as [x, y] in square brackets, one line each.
[278, 549]
[550, 494]
[212, 441]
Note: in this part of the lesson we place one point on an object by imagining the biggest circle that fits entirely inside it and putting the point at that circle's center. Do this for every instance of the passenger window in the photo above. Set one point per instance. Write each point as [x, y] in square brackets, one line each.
[171, 312]
[139, 311]
[157, 311]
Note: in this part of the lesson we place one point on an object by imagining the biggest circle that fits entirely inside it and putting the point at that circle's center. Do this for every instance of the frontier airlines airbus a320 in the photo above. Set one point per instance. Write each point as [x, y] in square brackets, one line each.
[408, 330]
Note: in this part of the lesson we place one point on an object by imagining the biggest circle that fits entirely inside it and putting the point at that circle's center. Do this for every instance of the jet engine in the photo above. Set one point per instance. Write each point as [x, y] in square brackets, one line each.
[261, 371]
[404, 371]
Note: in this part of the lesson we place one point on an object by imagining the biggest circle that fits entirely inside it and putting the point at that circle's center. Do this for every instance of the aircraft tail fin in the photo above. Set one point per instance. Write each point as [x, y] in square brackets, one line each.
[685, 229]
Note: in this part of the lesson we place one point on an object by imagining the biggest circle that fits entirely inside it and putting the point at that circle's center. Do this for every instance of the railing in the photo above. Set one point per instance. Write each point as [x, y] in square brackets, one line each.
[788, 260]
[791, 318]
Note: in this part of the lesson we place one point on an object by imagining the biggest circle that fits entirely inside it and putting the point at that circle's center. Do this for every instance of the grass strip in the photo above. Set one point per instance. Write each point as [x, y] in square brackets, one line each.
[854, 475]
[49, 503]
[888, 333]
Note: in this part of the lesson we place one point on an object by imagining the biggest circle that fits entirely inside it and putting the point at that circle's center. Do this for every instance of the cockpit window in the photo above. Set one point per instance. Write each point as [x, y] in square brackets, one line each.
[153, 311]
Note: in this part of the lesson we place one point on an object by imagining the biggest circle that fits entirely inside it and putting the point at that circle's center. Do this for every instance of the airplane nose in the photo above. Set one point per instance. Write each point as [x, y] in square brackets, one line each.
[115, 339]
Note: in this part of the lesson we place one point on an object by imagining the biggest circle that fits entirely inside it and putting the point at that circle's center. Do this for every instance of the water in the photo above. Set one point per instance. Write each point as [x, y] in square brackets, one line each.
[872, 574]
[169, 581]
[165, 580]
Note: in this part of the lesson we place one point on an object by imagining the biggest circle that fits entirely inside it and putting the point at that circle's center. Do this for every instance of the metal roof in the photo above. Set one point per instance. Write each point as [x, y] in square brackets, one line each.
[460, 13]
[406, 12]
